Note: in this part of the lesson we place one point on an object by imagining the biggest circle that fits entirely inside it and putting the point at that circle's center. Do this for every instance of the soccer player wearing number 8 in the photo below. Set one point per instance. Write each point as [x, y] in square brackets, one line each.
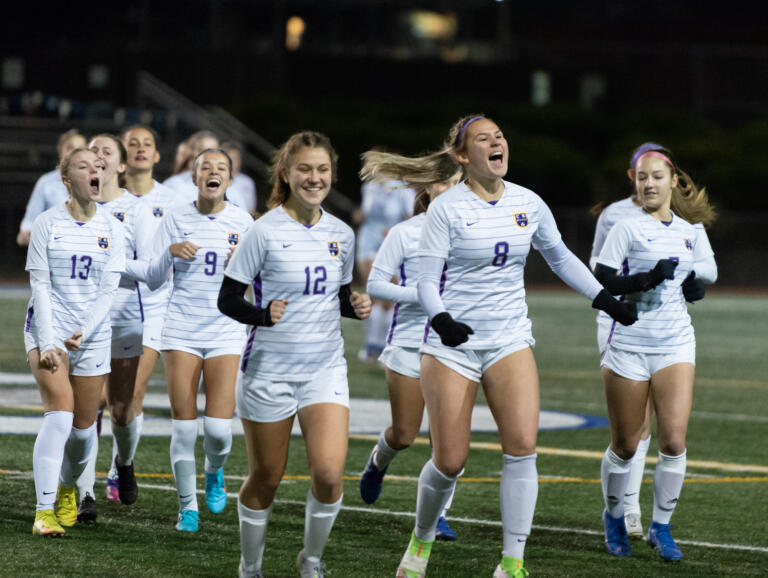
[75, 258]
[657, 253]
[299, 259]
[473, 248]
[196, 240]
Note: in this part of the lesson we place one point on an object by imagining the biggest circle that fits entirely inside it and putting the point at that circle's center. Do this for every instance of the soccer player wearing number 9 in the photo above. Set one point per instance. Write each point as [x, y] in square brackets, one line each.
[197, 239]
[299, 259]
[75, 258]
[473, 248]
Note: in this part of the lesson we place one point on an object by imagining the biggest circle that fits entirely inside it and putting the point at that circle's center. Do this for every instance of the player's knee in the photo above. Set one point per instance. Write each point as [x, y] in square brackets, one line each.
[449, 466]
[403, 435]
[121, 412]
[624, 447]
[326, 482]
[262, 483]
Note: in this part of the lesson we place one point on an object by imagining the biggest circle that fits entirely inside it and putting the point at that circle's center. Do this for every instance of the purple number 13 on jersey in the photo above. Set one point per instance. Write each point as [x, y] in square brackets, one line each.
[320, 276]
[85, 261]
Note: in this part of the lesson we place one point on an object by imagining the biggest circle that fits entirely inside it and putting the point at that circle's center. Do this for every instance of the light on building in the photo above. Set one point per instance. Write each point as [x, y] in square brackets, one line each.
[294, 29]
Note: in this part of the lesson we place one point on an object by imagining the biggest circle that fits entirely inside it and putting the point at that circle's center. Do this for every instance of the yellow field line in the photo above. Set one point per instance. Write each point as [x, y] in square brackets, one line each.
[593, 455]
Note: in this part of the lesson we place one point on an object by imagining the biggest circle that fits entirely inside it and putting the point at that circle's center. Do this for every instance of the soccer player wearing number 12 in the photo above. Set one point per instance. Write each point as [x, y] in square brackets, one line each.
[196, 241]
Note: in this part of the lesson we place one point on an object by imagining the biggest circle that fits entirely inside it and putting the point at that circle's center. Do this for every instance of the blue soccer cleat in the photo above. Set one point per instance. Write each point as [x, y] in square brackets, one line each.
[371, 481]
[188, 521]
[660, 538]
[444, 532]
[215, 491]
[616, 539]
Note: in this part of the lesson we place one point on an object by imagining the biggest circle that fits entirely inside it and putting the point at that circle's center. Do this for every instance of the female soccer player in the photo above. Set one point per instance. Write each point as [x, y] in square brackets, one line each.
[656, 356]
[195, 241]
[299, 259]
[473, 246]
[182, 181]
[75, 258]
[397, 258]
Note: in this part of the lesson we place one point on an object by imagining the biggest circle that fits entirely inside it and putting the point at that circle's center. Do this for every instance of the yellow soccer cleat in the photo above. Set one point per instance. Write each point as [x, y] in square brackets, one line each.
[46, 524]
[66, 506]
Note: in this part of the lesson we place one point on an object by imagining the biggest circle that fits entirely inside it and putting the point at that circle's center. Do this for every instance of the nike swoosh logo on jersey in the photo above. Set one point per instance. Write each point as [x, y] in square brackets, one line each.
[188, 234]
[286, 245]
[338, 393]
[99, 364]
[57, 238]
[470, 223]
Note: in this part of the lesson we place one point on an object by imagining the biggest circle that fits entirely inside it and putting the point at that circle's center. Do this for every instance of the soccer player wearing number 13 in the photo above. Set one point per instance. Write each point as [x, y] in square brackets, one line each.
[196, 240]
[299, 259]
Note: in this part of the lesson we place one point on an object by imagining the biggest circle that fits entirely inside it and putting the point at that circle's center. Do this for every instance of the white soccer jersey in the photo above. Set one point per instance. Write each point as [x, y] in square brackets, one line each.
[397, 258]
[635, 245]
[127, 307]
[192, 316]
[305, 266]
[76, 255]
[384, 205]
[242, 192]
[485, 247]
[49, 191]
[182, 183]
[150, 211]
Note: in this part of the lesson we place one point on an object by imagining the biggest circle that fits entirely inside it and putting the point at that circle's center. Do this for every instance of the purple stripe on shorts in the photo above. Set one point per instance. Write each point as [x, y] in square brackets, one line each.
[28, 324]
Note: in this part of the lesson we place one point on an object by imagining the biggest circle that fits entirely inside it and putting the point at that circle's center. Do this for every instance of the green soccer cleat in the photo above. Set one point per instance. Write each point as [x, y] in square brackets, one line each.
[46, 524]
[414, 562]
[510, 568]
[66, 506]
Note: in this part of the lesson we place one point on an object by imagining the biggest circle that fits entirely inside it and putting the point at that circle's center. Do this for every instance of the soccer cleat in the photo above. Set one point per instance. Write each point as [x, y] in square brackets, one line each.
[634, 525]
[414, 562]
[510, 568]
[308, 568]
[215, 491]
[66, 506]
[113, 491]
[660, 538]
[188, 521]
[243, 573]
[616, 539]
[127, 490]
[371, 480]
[46, 524]
[444, 532]
[86, 512]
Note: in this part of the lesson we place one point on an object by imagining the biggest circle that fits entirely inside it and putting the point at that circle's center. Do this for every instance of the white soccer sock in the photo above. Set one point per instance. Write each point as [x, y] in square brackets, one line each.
[88, 478]
[112, 474]
[48, 455]
[183, 438]
[77, 452]
[667, 484]
[217, 442]
[434, 490]
[125, 440]
[614, 473]
[635, 481]
[253, 534]
[448, 503]
[383, 454]
[519, 490]
[318, 521]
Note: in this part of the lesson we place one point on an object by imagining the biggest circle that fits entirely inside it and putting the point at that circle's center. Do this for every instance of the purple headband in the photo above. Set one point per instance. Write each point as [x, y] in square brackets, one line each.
[463, 128]
[641, 150]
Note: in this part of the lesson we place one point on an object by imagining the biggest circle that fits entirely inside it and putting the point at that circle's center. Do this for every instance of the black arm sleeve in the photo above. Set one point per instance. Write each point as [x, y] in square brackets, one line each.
[345, 292]
[232, 303]
[621, 285]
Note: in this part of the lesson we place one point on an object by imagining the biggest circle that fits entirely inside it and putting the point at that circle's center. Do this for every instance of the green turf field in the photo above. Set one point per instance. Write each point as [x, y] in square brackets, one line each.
[720, 522]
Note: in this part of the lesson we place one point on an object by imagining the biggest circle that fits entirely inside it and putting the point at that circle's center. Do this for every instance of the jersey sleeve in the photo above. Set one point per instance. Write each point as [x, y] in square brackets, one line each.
[390, 255]
[37, 253]
[601, 232]
[436, 234]
[35, 206]
[145, 227]
[248, 259]
[116, 261]
[703, 256]
[547, 234]
[617, 246]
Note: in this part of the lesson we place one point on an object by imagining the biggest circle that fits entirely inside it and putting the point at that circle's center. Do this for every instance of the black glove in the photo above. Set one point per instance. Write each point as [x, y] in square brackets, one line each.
[622, 311]
[664, 269]
[452, 333]
[693, 289]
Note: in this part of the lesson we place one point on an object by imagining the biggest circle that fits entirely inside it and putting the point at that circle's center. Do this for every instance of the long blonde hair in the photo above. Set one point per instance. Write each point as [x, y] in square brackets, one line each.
[283, 160]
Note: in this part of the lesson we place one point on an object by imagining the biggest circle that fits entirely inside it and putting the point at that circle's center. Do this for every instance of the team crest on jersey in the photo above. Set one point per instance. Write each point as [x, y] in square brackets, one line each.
[688, 244]
[103, 242]
[233, 238]
[119, 215]
[333, 248]
[521, 219]
[157, 212]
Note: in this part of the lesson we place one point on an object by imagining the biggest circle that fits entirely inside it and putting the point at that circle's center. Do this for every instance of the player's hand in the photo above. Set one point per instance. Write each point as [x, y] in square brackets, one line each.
[361, 303]
[693, 289]
[622, 311]
[22, 239]
[73, 343]
[50, 360]
[664, 269]
[276, 310]
[185, 250]
[451, 332]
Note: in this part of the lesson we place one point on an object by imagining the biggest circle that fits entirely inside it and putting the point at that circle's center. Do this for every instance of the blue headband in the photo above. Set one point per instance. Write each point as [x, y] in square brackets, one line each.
[641, 150]
[463, 128]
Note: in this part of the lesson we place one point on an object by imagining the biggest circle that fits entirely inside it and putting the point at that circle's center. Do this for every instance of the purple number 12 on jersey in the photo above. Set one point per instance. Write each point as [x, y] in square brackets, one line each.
[321, 276]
